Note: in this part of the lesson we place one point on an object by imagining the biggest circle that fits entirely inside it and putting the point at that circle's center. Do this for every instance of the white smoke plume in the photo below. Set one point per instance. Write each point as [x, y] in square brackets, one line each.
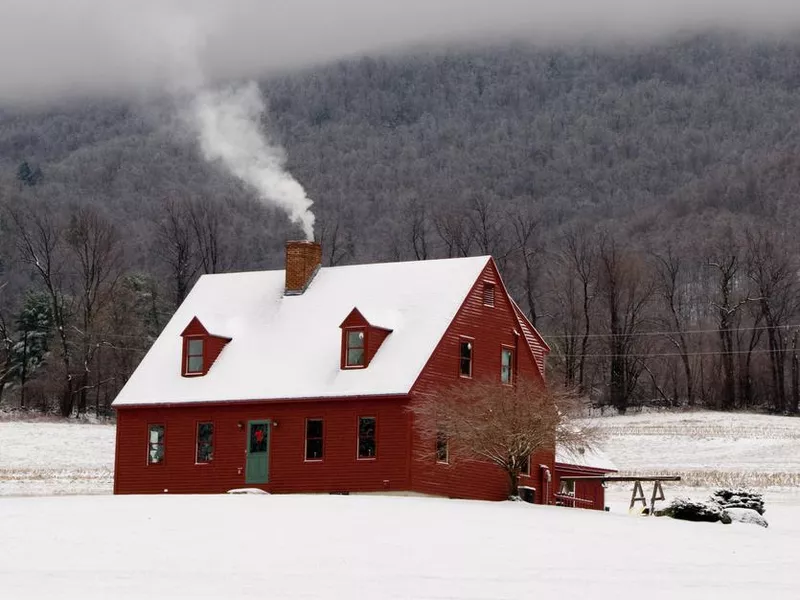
[228, 123]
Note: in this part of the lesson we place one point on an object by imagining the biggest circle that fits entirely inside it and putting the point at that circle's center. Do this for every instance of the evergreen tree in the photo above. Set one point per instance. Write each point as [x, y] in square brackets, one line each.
[29, 350]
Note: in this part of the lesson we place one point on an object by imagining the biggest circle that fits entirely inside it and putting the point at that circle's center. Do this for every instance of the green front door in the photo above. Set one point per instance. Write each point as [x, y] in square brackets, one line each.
[257, 469]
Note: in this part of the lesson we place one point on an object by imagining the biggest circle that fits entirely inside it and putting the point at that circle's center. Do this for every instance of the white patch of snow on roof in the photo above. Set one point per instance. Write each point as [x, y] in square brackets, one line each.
[286, 347]
[593, 458]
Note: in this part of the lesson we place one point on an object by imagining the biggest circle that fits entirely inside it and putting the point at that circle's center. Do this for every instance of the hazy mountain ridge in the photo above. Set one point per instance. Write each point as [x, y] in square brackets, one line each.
[665, 143]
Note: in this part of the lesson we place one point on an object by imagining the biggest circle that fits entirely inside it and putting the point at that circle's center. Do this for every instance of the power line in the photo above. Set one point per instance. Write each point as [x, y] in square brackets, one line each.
[665, 354]
[665, 333]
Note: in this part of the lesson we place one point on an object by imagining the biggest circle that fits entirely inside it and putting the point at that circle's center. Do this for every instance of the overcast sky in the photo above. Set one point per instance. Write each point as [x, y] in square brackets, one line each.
[51, 48]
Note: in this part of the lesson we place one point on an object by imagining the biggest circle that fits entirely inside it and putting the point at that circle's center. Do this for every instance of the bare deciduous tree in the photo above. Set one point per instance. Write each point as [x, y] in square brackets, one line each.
[40, 245]
[176, 246]
[626, 288]
[503, 425]
[95, 247]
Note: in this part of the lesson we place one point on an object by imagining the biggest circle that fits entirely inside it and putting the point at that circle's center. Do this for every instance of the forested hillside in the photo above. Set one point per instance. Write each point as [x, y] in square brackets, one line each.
[641, 202]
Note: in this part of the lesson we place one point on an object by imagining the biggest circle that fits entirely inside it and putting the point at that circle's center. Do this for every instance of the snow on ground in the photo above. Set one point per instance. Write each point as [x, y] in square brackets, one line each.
[287, 547]
[350, 547]
[44, 458]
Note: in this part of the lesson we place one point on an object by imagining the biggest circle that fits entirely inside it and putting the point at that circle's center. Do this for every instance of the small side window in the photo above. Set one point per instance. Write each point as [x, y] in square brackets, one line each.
[205, 443]
[465, 358]
[366, 437]
[442, 448]
[525, 469]
[194, 356]
[314, 447]
[155, 444]
[507, 366]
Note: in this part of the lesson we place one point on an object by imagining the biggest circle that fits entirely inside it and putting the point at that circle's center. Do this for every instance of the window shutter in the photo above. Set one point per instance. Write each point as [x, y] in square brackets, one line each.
[488, 294]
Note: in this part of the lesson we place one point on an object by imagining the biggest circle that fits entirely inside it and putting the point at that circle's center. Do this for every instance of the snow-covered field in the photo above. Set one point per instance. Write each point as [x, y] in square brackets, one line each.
[301, 547]
[44, 458]
[706, 448]
[101, 546]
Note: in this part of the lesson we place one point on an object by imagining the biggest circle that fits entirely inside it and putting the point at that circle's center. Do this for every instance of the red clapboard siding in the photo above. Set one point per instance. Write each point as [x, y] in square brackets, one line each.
[288, 471]
[585, 490]
[491, 328]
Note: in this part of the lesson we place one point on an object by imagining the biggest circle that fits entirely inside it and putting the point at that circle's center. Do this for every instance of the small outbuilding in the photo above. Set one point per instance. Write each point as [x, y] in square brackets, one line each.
[581, 493]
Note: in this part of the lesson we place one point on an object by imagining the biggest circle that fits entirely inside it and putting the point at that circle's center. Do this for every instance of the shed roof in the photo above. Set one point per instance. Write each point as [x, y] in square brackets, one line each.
[592, 458]
[288, 347]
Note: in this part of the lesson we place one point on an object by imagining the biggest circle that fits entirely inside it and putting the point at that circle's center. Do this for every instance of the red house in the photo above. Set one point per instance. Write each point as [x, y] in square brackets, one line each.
[299, 380]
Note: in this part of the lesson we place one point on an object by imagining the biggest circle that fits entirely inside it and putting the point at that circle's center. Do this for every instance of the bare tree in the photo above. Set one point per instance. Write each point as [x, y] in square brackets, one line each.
[580, 257]
[727, 303]
[774, 275]
[503, 425]
[670, 270]
[488, 229]
[626, 289]
[453, 228]
[40, 246]
[206, 217]
[176, 246]
[94, 245]
[337, 243]
[529, 246]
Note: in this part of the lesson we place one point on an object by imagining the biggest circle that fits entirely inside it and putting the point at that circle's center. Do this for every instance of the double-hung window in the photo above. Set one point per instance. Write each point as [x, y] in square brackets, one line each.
[155, 444]
[194, 356]
[356, 355]
[205, 443]
[367, 447]
[314, 444]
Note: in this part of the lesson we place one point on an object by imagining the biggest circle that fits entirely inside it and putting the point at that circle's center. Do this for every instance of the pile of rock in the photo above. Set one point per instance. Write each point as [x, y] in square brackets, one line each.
[724, 505]
[739, 498]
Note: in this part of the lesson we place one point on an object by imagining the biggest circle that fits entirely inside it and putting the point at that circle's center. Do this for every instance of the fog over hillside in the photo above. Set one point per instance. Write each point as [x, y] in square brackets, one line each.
[54, 49]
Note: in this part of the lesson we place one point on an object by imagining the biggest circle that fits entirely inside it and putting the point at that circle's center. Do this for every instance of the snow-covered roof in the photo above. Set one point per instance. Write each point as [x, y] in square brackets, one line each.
[592, 458]
[289, 346]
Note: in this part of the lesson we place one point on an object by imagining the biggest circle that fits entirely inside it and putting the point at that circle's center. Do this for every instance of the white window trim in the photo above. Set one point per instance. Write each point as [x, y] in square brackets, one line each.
[358, 437]
[510, 349]
[305, 442]
[471, 342]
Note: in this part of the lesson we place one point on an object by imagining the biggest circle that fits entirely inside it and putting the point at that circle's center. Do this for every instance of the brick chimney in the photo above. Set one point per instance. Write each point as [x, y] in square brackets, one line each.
[303, 260]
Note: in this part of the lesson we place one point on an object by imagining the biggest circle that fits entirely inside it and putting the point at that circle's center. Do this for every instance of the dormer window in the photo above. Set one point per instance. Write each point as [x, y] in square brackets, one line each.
[361, 341]
[356, 354]
[194, 356]
[200, 349]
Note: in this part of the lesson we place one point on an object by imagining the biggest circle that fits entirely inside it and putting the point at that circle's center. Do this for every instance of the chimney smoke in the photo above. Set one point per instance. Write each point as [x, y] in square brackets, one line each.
[229, 127]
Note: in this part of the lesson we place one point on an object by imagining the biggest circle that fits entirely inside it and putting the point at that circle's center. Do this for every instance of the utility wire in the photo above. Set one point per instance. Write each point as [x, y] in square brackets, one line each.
[664, 333]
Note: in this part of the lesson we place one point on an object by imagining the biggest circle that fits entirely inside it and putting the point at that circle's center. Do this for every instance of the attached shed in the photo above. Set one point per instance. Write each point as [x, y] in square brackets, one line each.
[582, 493]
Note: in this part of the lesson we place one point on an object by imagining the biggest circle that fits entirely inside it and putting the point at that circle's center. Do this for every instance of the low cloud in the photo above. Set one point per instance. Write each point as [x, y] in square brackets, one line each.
[53, 48]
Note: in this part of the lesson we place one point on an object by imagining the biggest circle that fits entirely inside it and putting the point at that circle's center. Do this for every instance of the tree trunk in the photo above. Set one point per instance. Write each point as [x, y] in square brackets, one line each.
[795, 406]
[66, 397]
[513, 481]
